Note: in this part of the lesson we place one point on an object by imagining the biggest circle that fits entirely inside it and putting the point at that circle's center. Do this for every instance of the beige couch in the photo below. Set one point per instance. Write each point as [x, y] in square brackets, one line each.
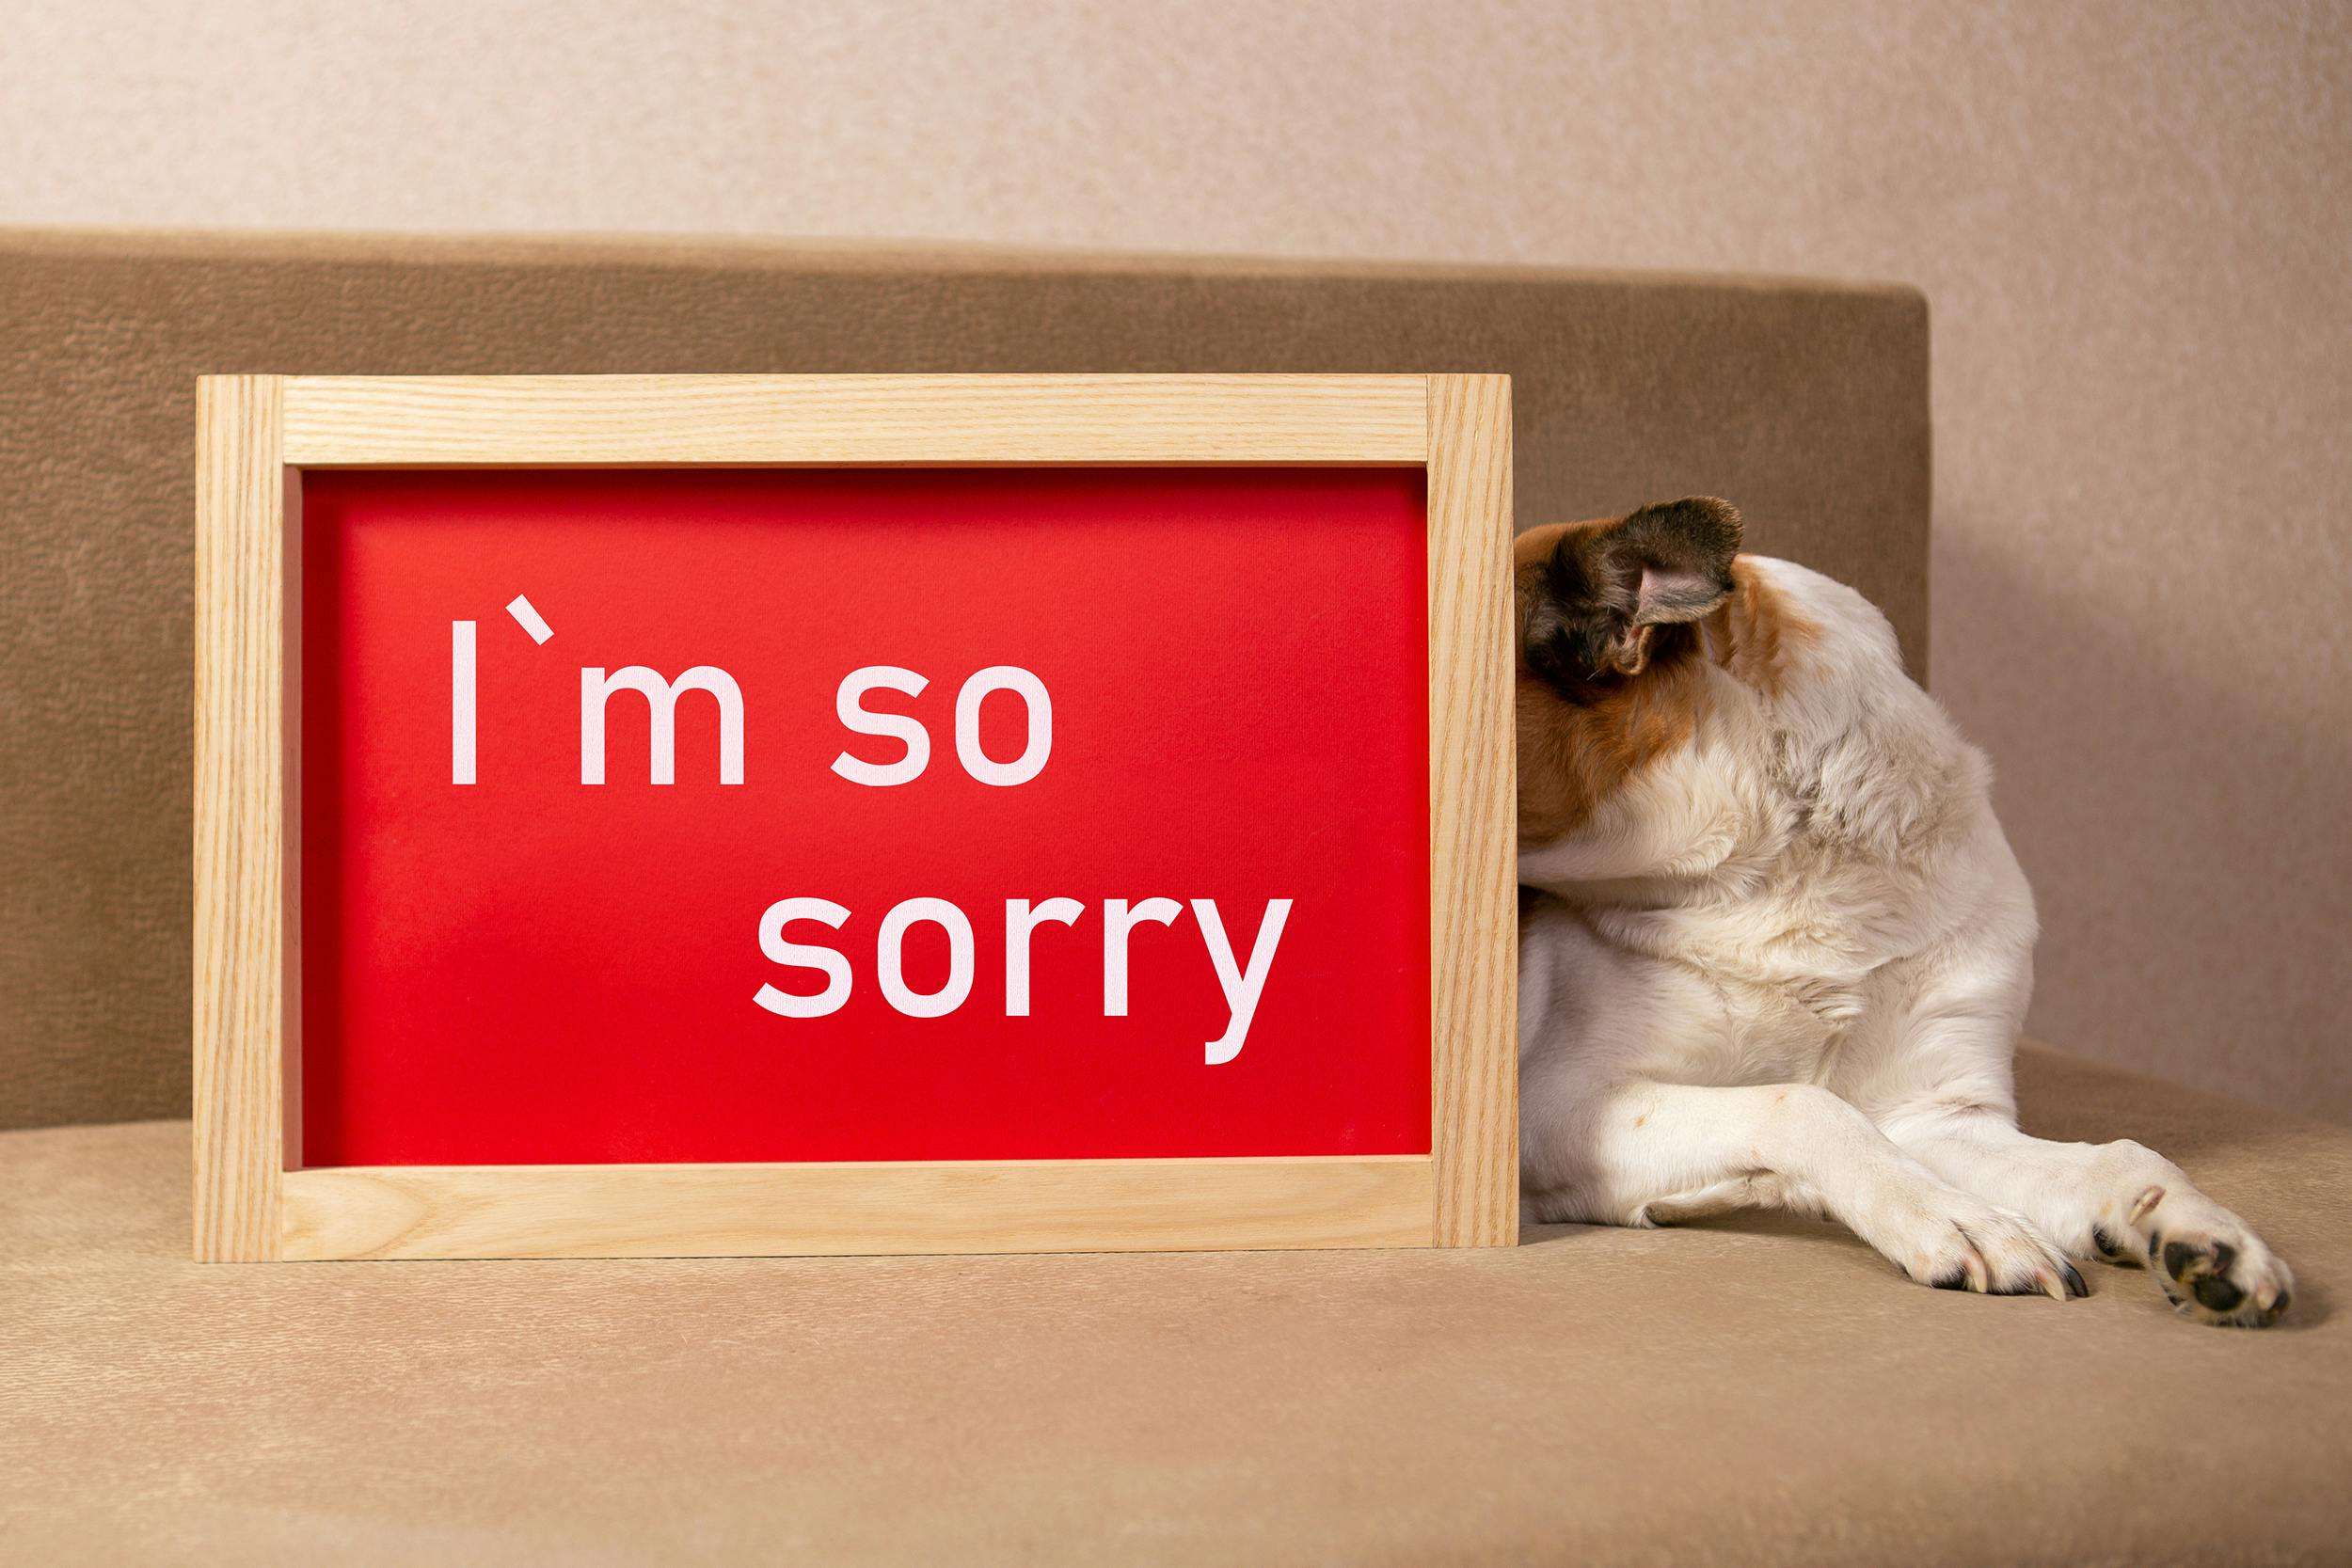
[1742, 1391]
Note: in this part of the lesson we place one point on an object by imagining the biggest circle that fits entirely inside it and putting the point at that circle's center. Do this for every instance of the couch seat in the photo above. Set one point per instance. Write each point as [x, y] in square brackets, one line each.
[1744, 1391]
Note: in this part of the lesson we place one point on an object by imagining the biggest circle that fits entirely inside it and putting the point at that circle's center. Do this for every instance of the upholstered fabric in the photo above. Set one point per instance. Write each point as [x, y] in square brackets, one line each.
[1805, 402]
[1750, 1390]
[1747, 1391]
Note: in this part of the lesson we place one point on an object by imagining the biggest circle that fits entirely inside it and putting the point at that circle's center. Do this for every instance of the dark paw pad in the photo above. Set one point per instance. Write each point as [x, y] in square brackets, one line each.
[2107, 1247]
[2218, 1293]
[2199, 1274]
[2191, 1264]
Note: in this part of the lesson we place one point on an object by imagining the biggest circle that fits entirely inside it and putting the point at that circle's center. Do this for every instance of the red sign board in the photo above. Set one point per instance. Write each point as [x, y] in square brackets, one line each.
[710, 815]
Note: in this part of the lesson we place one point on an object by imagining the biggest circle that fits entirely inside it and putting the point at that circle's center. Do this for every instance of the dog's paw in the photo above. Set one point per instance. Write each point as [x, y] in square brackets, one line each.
[2212, 1266]
[1975, 1246]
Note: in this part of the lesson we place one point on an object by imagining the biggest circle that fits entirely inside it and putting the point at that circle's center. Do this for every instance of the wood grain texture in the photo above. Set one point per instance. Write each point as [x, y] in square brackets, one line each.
[854, 419]
[742, 1209]
[240, 827]
[1473, 916]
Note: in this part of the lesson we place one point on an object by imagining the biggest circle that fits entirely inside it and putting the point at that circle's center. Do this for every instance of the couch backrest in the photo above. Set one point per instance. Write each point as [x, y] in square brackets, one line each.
[1804, 402]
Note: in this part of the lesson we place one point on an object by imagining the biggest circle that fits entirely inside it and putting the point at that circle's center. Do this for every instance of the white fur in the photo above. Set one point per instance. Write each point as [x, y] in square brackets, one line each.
[1786, 967]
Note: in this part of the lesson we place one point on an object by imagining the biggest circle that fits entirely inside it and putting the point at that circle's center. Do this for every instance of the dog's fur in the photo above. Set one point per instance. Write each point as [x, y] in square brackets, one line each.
[1774, 949]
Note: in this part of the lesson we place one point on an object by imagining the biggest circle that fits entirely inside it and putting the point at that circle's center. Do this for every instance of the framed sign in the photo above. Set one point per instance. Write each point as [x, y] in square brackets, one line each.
[644, 815]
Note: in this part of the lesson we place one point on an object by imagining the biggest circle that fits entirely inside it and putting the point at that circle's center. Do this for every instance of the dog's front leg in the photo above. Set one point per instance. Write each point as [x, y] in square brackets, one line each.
[1641, 1151]
[2122, 1202]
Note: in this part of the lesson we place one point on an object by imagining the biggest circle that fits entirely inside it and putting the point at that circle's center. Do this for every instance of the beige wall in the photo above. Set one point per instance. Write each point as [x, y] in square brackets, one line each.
[2134, 221]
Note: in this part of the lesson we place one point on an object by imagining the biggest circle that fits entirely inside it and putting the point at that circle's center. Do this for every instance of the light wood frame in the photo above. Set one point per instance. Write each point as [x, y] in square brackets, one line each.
[255, 434]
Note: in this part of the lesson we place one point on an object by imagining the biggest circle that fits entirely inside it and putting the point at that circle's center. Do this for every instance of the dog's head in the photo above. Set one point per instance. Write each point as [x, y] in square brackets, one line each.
[1611, 670]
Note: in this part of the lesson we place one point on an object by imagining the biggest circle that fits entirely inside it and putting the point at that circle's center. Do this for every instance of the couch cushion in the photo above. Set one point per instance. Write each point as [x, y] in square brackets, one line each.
[1805, 402]
[1746, 1391]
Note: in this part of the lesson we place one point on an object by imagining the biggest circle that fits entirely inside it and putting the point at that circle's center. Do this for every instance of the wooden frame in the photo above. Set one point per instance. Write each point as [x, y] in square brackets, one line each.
[256, 433]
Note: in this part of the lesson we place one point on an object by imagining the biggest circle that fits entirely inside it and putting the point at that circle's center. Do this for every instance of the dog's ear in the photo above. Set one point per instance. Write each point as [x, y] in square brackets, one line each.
[1598, 598]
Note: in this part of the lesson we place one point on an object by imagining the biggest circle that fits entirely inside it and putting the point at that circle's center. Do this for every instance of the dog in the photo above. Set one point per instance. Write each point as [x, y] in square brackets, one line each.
[1774, 949]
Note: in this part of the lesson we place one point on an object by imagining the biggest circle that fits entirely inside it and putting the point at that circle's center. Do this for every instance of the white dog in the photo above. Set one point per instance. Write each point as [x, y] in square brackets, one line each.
[1774, 950]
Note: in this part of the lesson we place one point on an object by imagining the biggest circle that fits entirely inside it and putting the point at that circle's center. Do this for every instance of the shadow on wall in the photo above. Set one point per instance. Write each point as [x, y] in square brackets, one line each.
[2257, 914]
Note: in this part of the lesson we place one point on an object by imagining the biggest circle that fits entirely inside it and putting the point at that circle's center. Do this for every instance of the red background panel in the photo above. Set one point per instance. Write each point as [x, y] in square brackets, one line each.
[533, 970]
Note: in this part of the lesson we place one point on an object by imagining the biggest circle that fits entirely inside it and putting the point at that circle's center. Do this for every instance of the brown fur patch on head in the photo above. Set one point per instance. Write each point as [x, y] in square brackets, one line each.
[1612, 668]
[1575, 755]
[1755, 632]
